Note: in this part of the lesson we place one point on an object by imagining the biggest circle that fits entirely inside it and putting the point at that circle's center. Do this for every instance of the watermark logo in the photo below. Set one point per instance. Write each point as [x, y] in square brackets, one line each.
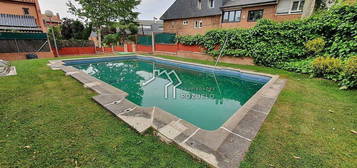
[156, 73]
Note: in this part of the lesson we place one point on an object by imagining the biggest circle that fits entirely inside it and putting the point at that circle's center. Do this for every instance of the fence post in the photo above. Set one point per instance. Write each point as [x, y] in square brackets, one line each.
[17, 47]
[125, 47]
[153, 41]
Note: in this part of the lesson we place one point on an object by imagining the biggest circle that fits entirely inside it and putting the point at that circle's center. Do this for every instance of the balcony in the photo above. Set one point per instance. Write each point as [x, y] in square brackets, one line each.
[18, 23]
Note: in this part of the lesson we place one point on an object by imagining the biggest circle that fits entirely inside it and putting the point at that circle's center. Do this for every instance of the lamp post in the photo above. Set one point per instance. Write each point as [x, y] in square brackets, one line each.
[49, 14]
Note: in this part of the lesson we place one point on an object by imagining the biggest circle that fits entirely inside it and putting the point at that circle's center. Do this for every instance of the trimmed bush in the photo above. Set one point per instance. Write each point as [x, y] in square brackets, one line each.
[316, 45]
[349, 74]
[327, 67]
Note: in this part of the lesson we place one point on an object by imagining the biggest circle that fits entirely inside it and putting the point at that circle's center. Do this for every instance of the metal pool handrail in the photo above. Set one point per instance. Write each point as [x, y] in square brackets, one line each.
[215, 65]
[221, 52]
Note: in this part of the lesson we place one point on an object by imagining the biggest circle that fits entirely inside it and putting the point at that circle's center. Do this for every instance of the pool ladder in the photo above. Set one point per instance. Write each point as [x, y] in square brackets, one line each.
[221, 52]
[215, 66]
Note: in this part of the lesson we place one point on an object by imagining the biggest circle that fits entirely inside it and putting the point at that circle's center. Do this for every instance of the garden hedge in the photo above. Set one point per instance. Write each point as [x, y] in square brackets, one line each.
[276, 44]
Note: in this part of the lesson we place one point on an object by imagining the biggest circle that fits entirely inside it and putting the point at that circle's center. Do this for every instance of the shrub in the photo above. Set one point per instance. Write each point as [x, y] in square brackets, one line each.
[349, 74]
[73, 43]
[303, 66]
[285, 44]
[190, 40]
[327, 67]
[271, 43]
[316, 45]
[111, 39]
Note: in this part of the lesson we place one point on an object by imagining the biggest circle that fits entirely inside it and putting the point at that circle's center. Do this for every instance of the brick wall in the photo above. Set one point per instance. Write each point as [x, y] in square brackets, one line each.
[15, 8]
[281, 18]
[269, 13]
[22, 56]
[177, 26]
[213, 22]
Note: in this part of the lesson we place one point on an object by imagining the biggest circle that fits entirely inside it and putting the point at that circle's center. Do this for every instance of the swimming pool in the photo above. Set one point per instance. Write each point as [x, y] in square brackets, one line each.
[206, 97]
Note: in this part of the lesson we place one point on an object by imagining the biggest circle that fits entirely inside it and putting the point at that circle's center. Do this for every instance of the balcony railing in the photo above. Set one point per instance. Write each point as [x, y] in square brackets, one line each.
[17, 20]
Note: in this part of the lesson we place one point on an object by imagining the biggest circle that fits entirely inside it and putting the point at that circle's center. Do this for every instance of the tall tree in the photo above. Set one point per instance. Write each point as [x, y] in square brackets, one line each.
[103, 12]
[72, 29]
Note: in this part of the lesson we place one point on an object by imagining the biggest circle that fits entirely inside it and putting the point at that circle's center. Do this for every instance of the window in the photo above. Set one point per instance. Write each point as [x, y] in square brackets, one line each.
[254, 15]
[199, 4]
[284, 7]
[297, 6]
[198, 24]
[301, 6]
[237, 16]
[225, 16]
[232, 16]
[211, 3]
[26, 11]
[185, 22]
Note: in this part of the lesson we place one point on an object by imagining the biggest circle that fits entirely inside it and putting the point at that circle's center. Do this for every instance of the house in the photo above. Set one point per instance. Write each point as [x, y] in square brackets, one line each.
[53, 21]
[187, 17]
[22, 30]
[146, 27]
[21, 15]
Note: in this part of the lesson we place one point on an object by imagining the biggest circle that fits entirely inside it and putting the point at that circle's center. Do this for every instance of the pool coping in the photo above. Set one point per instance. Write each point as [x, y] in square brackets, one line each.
[224, 147]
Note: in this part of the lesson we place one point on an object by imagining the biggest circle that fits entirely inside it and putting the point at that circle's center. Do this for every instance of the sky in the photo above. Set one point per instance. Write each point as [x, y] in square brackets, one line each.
[148, 8]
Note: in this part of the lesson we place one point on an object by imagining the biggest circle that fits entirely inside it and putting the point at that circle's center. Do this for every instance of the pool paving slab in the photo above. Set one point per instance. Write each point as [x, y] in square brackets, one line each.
[224, 147]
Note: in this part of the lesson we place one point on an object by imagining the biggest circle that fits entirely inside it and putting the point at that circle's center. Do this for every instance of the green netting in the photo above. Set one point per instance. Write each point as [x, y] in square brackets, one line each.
[145, 40]
[22, 36]
[165, 38]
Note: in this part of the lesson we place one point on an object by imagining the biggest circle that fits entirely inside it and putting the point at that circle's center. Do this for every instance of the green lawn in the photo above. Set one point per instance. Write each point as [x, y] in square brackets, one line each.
[49, 120]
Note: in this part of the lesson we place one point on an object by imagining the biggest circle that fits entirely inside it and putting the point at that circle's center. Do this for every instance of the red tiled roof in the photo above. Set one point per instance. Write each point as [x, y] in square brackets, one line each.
[55, 18]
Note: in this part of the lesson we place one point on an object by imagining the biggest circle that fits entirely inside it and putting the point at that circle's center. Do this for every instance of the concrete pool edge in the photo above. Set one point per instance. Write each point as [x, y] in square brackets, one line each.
[224, 147]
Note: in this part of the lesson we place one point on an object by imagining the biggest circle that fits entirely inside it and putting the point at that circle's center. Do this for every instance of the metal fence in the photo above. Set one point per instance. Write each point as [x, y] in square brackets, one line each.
[18, 46]
[144, 40]
[22, 36]
[165, 38]
[23, 42]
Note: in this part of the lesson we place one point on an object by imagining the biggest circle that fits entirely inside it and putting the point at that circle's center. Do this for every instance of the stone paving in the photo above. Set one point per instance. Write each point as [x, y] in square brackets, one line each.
[224, 147]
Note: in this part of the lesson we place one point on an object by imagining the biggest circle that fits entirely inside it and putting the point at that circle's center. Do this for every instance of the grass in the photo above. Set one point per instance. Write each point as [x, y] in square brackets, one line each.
[49, 120]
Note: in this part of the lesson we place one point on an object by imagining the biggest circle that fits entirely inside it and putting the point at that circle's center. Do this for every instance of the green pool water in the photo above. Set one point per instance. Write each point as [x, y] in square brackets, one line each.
[206, 100]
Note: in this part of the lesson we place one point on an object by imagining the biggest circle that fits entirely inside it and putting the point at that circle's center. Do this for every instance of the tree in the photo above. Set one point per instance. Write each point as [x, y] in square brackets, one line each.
[71, 29]
[87, 31]
[57, 32]
[125, 29]
[111, 39]
[103, 12]
[74, 29]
